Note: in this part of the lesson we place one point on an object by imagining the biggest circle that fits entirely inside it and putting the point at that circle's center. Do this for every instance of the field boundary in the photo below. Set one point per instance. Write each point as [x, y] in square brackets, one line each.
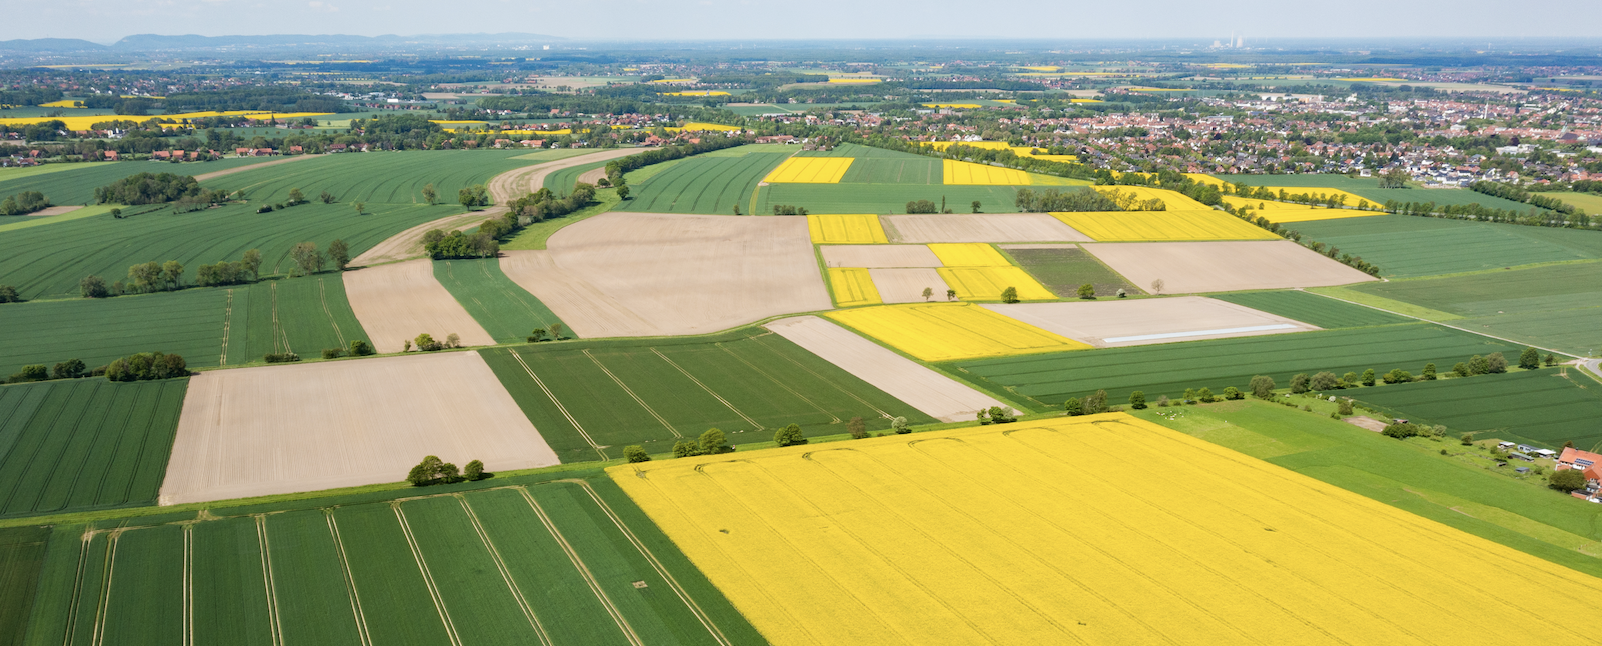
[814, 373]
[836, 418]
[552, 396]
[228, 319]
[1489, 336]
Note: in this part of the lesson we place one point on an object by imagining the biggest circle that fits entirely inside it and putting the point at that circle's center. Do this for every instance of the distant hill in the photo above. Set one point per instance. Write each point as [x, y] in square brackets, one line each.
[157, 42]
[50, 45]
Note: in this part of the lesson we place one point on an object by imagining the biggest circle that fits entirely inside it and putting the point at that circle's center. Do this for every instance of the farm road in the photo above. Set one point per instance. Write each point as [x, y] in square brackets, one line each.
[505, 188]
[216, 174]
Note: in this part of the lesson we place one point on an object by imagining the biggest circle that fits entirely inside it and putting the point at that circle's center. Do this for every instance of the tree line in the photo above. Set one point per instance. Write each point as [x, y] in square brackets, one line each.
[141, 366]
[148, 277]
[24, 203]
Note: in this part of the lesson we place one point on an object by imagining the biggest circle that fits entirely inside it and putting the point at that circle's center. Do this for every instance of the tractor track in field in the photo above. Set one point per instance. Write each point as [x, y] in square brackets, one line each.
[708, 390]
[428, 575]
[583, 570]
[505, 572]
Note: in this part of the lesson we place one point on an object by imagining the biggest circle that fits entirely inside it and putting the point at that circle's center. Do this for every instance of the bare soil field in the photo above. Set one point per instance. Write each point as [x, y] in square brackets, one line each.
[926, 390]
[658, 274]
[398, 301]
[504, 188]
[1118, 323]
[1021, 227]
[879, 255]
[240, 169]
[907, 285]
[1194, 267]
[307, 427]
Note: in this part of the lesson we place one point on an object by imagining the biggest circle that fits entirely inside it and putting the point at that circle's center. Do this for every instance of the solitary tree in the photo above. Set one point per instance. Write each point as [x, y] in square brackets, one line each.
[623, 194]
[339, 254]
[361, 207]
[425, 342]
[1299, 383]
[713, 442]
[1325, 381]
[1368, 377]
[927, 293]
[453, 340]
[1429, 372]
[1157, 286]
[537, 335]
[430, 195]
[900, 426]
[951, 294]
[326, 197]
[1530, 359]
[976, 206]
[857, 428]
[1344, 406]
[1137, 400]
[1232, 393]
[1478, 365]
[789, 436]
[1009, 295]
[636, 453]
[556, 331]
[1262, 387]
[474, 470]
[296, 197]
[8, 294]
[1087, 290]
[93, 287]
[1551, 360]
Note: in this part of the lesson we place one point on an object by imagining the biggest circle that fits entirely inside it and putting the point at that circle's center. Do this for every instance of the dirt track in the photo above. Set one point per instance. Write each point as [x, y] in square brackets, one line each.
[504, 188]
[649, 274]
[399, 301]
[240, 169]
[307, 427]
[926, 390]
[1196, 267]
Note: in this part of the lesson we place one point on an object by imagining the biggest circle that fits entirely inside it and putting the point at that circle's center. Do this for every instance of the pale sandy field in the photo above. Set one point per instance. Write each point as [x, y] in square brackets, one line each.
[879, 255]
[1117, 323]
[240, 169]
[504, 188]
[1020, 227]
[648, 274]
[935, 394]
[1192, 267]
[55, 210]
[399, 301]
[907, 285]
[307, 427]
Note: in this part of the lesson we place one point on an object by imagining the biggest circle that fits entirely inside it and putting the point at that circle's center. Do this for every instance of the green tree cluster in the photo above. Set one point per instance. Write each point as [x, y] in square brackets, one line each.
[146, 366]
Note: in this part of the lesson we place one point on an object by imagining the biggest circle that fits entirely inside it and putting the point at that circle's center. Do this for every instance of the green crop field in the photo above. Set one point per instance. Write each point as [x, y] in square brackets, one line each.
[882, 198]
[301, 315]
[1590, 202]
[709, 185]
[561, 182]
[1064, 270]
[1048, 380]
[755, 110]
[1407, 246]
[1317, 310]
[1369, 187]
[505, 310]
[531, 561]
[1536, 406]
[22, 551]
[591, 398]
[76, 183]
[187, 323]
[1458, 490]
[85, 443]
[375, 178]
[13, 173]
[1552, 306]
[48, 261]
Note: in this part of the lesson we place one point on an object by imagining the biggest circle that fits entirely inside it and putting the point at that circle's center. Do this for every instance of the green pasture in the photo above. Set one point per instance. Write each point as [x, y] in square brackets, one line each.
[22, 552]
[85, 443]
[187, 323]
[561, 182]
[302, 315]
[535, 235]
[1406, 246]
[1590, 202]
[68, 184]
[592, 398]
[533, 560]
[1064, 270]
[912, 169]
[1047, 380]
[48, 261]
[708, 185]
[1369, 187]
[756, 110]
[505, 310]
[375, 177]
[16, 223]
[1552, 306]
[1537, 407]
[1317, 310]
[16, 173]
[1459, 489]
[882, 198]
[553, 154]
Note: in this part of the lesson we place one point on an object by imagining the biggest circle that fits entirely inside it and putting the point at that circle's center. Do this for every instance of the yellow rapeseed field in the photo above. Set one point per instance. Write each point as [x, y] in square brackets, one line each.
[1203, 178]
[1021, 151]
[1286, 212]
[810, 170]
[1351, 199]
[64, 103]
[1032, 533]
[1040, 68]
[695, 126]
[1137, 226]
[835, 228]
[960, 106]
[968, 254]
[1174, 200]
[87, 122]
[968, 173]
[987, 283]
[853, 287]
[695, 93]
[952, 331]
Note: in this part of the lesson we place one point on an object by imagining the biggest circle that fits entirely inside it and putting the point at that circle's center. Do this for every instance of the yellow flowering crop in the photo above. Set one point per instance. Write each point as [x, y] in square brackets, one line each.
[1351, 199]
[1136, 226]
[1285, 212]
[855, 80]
[968, 173]
[810, 170]
[695, 126]
[960, 106]
[695, 93]
[853, 287]
[987, 283]
[1203, 178]
[952, 331]
[834, 228]
[64, 103]
[1174, 200]
[1030, 533]
[968, 254]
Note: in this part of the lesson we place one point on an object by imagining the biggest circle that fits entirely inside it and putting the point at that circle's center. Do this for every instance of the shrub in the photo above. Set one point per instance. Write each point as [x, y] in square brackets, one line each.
[919, 206]
[1205, 395]
[146, 366]
[1349, 379]
[1566, 480]
[1467, 439]
[36, 372]
[1325, 381]
[69, 369]
[93, 287]
[686, 448]
[857, 428]
[1162, 401]
[333, 353]
[1137, 400]
[1299, 383]
[1478, 365]
[474, 470]
[1087, 290]
[635, 453]
[360, 348]
[1096, 402]
[8, 294]
[1402, 430]
[900, 426]
[1344, 407]
[1461, 369]
[1000, 415]
[1368, 377]
[1429, 372]
[1009, 295]
[1397, 376]
[1073, 406]
[1496, 363]
[789, 436]
[1262, 387]
[284, 357]
[425, 343]
[1233, 393]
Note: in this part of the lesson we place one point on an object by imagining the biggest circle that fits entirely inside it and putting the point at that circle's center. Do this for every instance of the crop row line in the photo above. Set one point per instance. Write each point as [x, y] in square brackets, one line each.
[834, 419]
[708, 390]
[576, 426]
[350, 580]
[583, 569]
[506, 572]
[274, 627]
[630, 391]
[322, 293]
[428, 576]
